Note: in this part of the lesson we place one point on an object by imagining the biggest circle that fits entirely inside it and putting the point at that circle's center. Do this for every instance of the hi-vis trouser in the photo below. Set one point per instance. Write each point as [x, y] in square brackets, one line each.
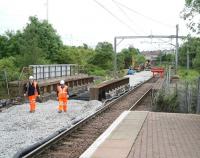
[62, 98]
[32, 100]
[62, 103]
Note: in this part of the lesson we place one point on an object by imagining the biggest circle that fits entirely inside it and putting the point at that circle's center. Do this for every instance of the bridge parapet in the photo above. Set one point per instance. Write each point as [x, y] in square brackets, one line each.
[41, 72]
[98, 92]
[75, 83]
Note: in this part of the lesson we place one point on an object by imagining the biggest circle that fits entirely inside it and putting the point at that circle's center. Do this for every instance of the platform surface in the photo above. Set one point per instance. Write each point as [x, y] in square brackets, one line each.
[118, 139]
[142, 134]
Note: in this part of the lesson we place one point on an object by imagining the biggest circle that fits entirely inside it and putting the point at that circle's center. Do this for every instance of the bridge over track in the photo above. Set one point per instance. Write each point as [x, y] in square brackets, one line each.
[48, 76]
[48, 86]
[98, 92]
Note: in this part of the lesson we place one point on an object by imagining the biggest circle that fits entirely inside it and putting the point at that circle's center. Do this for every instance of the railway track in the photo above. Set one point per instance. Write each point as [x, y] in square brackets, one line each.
[74, 141]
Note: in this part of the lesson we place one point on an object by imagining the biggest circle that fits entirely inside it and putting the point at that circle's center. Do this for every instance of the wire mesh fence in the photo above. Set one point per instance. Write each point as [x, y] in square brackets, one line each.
[188, 96]
[181, 96]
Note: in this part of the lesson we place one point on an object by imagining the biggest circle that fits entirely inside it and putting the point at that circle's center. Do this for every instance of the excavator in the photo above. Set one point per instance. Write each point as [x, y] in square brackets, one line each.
[140, 67]
[147, 65]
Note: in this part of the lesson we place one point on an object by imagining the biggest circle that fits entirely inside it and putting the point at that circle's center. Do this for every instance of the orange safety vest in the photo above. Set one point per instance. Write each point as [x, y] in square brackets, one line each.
[62, 92]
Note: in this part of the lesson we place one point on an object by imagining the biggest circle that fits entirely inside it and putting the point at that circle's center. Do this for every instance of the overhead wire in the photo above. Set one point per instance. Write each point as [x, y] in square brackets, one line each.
[121, 21]
[120, 5]
[145, 16]
[128, 17]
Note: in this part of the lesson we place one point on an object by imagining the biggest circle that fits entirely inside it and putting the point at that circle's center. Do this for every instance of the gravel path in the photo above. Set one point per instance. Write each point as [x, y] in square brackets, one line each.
[19, 128]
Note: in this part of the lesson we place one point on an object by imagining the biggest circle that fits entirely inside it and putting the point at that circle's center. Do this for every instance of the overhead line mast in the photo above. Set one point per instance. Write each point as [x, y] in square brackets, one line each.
[150, 36]
[47, 10]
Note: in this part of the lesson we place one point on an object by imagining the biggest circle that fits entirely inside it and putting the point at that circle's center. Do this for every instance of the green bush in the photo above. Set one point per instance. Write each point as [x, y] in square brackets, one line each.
[166, 102]
[188, 74]
[95, 70]
[9, 65]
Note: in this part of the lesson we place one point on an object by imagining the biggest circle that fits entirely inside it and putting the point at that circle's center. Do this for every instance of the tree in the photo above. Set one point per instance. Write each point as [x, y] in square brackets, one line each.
[167, 58]
[140, 59]
[191, 14]
[46, 37]
[196, 62]
[103, 47]
[31, 54]
[74, 55]
[9, 44]
[132, 56]
[37, 43]
[104, 56]
[127, 58]
[3, 45]
[192, 45]
[120, 61]
[8, 64]
[64, 55]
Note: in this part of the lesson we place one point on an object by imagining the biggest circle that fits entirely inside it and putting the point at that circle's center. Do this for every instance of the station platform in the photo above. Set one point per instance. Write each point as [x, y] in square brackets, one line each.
[138, 134]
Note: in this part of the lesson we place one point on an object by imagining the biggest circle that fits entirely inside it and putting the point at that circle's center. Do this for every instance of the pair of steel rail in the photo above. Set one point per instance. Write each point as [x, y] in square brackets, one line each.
[38, 148]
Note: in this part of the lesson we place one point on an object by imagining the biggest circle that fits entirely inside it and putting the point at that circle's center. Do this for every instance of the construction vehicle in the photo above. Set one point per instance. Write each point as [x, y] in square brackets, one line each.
[147, 65]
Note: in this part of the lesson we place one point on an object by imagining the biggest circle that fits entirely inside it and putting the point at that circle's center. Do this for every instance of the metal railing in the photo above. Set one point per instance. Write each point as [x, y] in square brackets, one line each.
[54, 71]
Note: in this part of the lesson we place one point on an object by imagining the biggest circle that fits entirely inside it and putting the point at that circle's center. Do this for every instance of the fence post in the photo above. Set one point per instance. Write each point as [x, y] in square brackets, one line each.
[43, 72]
[61, 71]
[169, 73]
[186, 97]
[66, 70]
[189, 97]
[198, 96]
[6, 79]
[36, 72]
[40, 74]
[49, 69]
[55, 72]
[79, 69]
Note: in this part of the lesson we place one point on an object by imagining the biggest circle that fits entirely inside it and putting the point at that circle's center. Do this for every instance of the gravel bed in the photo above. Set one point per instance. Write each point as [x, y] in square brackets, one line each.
[19, 128]
[74, 145]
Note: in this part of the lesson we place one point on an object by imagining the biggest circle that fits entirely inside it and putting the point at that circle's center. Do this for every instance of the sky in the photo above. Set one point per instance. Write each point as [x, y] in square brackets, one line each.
[93, 21]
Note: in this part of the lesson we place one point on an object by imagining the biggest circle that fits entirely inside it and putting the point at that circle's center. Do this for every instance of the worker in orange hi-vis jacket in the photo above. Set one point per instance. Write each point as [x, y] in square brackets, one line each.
[31, 89]
[63, 95]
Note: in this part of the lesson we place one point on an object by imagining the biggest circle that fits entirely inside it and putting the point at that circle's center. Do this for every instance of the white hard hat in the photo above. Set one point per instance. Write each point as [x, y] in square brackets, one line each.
[62, 82]
[31, 78]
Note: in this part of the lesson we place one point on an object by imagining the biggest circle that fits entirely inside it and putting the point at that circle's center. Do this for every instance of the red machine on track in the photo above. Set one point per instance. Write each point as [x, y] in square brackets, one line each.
[158, 70]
